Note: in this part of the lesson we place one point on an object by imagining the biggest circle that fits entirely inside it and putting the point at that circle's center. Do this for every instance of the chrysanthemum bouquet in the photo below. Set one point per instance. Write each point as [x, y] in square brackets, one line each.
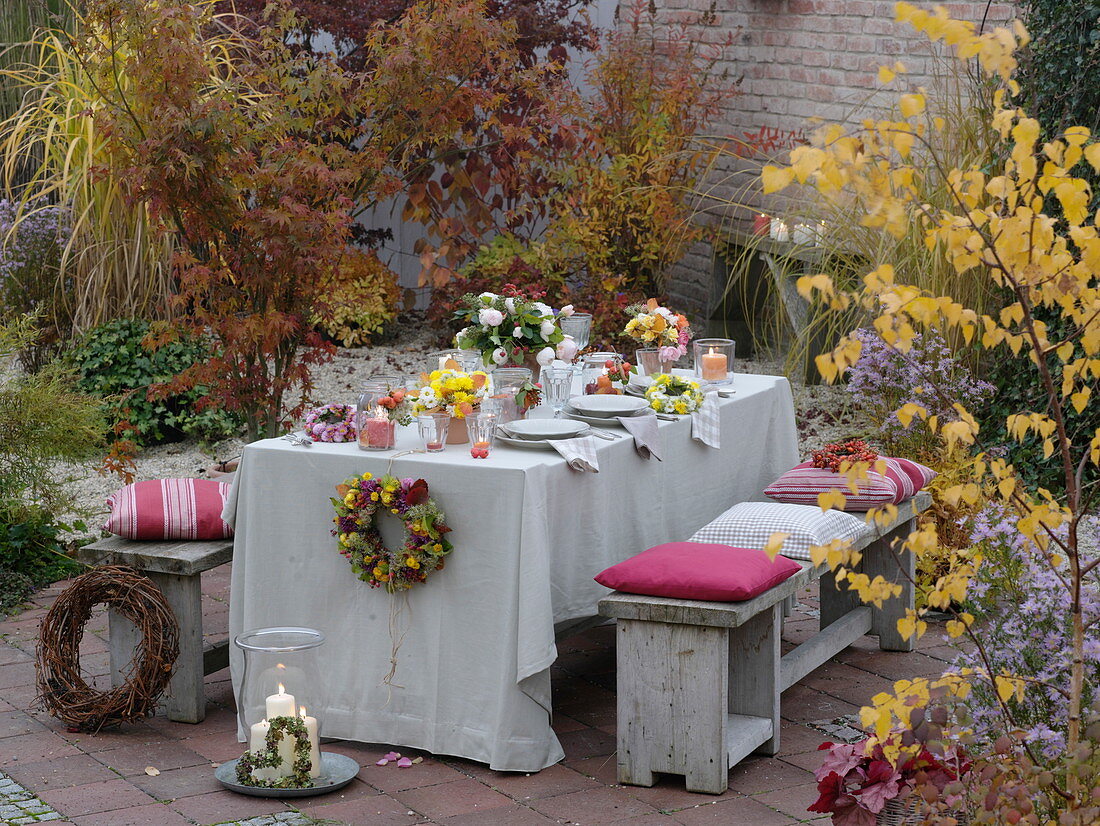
[506, 328]
[652, 325]
[450, 391]
[674, 394]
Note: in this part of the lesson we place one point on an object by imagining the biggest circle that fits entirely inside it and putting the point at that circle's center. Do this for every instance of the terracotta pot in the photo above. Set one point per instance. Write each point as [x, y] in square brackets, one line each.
[456, 432]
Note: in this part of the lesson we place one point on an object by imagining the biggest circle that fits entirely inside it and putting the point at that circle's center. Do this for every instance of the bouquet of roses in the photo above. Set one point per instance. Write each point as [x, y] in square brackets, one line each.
[506, 328]
[655, 326]
[450, 391]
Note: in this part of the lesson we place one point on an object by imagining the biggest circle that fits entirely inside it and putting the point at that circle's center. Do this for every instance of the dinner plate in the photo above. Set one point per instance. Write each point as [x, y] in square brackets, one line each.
[525, 444]
[599, 421]
[607, 406]
[538, 429]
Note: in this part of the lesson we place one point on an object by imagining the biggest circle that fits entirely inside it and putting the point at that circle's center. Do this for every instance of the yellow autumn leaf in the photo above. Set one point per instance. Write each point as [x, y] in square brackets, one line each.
[775, 543]
[775, 179]
[1080, 399]
[831, 499]
[885, 74]
[911, 105]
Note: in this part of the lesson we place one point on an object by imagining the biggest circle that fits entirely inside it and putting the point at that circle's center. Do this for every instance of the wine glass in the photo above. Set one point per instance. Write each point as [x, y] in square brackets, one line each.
[557, 383]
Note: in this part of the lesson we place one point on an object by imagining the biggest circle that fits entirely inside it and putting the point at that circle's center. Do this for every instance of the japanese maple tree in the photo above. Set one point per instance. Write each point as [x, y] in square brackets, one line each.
[258, 155]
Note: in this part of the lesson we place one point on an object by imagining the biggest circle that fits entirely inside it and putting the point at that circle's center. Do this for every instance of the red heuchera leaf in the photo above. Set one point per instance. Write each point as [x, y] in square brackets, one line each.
[882, 784]
[835, 800]
[842, 758]
[418, 493]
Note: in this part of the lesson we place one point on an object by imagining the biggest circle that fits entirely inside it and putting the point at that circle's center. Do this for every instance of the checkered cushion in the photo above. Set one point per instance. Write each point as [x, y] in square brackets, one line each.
[749, 524]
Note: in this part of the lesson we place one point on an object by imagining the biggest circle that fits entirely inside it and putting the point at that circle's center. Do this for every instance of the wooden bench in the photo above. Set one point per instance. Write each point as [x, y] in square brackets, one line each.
[699, 682]
[175, 566]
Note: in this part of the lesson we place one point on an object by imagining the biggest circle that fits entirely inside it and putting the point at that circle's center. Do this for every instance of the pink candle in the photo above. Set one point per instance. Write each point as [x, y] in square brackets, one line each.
[434, 446]
[761, 225]
[379, 432]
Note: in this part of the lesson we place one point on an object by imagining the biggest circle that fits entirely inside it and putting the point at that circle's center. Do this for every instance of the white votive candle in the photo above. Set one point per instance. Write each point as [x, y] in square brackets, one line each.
[314, 743]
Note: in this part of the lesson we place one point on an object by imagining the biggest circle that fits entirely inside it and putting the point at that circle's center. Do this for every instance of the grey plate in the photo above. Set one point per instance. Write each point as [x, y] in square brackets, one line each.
[337, 771]
[525, 444]
[596, 420]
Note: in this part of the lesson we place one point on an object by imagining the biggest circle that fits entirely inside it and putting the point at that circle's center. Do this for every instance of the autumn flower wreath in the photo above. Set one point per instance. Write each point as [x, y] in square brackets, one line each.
[360, 500]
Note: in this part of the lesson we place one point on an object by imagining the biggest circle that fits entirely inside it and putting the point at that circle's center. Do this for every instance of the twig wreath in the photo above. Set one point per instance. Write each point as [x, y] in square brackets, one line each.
[270, 758]
[62, 690]
[361, 500]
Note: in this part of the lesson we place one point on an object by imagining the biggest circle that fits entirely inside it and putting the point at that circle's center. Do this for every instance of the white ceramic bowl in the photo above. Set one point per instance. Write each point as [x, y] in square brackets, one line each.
[545, 429]
[607, 406]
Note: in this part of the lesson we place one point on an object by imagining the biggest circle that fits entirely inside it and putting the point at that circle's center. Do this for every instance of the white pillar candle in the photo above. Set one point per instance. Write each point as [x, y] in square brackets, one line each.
[281, 704]
[803, 235]
[257, 743]
[314, 744]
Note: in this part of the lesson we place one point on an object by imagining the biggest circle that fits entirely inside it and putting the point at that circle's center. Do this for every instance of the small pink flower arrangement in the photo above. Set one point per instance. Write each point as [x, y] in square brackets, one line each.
[331, 423]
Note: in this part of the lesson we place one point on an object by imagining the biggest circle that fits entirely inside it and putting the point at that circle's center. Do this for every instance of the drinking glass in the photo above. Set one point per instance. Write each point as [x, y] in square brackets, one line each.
[557, 384]
[433, 430]
[579, 326]
[482, 428]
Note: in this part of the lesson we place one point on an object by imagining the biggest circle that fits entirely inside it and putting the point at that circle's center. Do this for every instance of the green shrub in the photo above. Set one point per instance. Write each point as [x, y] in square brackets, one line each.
[359, 302]
[115, 364]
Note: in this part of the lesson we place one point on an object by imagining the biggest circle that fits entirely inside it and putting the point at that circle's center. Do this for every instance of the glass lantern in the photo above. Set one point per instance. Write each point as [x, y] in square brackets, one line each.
[372, 420]
[506, 384]
[282, 678]
[713, 360]
[594, 366]
[467, 360]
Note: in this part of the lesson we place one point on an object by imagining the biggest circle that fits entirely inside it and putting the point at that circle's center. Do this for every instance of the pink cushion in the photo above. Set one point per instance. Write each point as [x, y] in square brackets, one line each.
[801, 484]
[695, 570]
[169, 509]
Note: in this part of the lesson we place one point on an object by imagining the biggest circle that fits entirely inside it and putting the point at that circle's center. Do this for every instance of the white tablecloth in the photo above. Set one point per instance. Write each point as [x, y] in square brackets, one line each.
[529, 535]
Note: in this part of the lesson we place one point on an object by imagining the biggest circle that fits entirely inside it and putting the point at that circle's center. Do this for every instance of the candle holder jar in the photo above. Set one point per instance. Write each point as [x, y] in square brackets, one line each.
[593, 366]
[713, 360]
[372, 420]
[282, 677]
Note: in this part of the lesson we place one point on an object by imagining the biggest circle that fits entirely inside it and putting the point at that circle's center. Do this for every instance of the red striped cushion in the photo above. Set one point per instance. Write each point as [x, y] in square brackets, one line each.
[801, 484]
[169, 509]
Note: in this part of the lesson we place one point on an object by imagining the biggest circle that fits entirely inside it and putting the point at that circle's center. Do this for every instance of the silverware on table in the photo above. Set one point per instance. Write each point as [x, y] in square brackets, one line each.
[299, 439]
[600, 434]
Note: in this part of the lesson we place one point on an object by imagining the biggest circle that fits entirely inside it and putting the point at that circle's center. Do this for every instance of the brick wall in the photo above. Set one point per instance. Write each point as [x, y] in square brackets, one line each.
[797, 60]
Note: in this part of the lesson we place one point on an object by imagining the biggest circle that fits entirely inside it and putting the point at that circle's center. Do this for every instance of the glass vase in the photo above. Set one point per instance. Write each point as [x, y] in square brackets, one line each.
[593, 366]
[282, 678]
[506, 384]
[650, 363]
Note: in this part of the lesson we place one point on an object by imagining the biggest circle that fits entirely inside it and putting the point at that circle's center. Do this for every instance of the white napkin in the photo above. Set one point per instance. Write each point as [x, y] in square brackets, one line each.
[579, 454]
[705, 422]
[644, 431]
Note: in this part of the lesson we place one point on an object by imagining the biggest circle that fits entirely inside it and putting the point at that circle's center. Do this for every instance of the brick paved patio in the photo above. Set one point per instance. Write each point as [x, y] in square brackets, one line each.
[101, 780]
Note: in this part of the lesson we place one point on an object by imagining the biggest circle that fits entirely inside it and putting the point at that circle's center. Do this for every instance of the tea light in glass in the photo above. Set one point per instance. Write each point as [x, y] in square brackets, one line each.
[433, 430]
[714, 360]
[483, 430]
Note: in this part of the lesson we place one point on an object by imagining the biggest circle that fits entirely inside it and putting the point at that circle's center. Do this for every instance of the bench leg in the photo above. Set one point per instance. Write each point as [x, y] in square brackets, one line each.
[754, 662]
[185, 700]
[122, 641]
[836, 601]
[672, 690]
[879, 558]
